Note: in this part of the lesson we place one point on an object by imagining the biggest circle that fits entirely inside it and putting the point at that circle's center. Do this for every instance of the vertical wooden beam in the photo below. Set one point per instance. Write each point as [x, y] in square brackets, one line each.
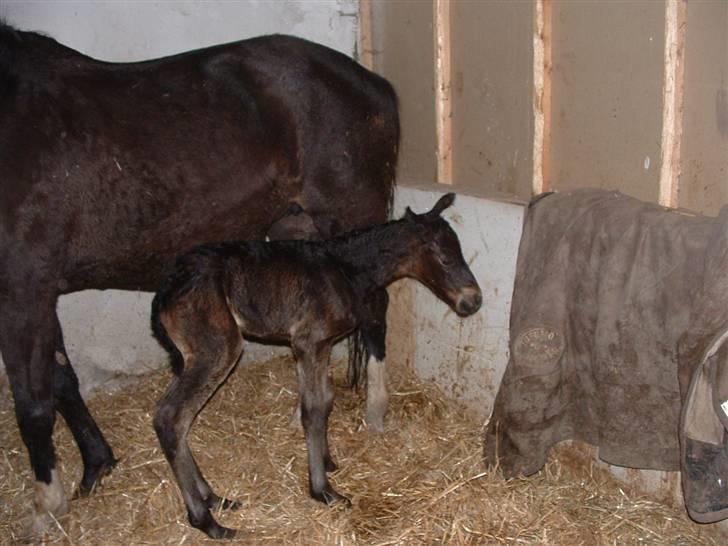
[366, 48]
[443, 92]
[672, 101]
[542, 69]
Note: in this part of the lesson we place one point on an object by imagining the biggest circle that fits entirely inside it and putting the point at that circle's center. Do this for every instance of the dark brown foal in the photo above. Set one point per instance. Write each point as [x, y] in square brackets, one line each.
[308, 295]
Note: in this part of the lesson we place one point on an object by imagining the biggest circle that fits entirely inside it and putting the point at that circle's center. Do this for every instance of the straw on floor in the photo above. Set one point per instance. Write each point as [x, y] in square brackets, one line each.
[421, 482]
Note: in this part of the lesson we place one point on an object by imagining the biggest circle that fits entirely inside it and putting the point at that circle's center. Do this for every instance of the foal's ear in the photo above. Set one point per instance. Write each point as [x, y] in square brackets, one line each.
[444, 202]
[409, 215]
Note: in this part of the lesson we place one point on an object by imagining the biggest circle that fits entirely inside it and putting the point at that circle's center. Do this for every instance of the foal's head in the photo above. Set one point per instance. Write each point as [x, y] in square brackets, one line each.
[438, 262]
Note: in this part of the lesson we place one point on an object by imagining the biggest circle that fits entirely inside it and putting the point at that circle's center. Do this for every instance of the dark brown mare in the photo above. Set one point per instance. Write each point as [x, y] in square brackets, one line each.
[109, 171]
[308, 295]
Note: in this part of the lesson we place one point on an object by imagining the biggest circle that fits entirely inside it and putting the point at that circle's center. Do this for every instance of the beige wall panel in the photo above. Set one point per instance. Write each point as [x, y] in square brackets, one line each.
[607, 95]
[703, 184]
[404, 53]
[492, 78]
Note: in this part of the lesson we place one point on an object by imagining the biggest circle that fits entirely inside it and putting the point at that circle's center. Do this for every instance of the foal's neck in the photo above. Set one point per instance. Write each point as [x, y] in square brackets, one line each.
[379, 254]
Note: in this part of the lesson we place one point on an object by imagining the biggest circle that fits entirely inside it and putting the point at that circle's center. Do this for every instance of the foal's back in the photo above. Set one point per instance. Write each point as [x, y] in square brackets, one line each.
[273, 291]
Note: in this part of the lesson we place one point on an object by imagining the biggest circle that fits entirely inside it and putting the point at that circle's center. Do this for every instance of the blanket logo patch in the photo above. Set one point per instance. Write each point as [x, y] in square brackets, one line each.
[539, 347]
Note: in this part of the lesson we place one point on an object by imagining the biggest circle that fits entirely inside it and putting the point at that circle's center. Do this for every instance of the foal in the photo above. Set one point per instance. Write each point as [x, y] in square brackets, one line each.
[308, 295]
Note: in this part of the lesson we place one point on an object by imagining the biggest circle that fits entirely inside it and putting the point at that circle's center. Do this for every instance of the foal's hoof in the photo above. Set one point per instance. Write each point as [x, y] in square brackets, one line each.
[329, 496]
[214, 501]
[211, 528]
[220, 532]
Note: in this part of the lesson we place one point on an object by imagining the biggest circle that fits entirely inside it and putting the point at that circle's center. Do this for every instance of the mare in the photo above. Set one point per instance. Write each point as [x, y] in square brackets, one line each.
[109, 171]
[306, 294]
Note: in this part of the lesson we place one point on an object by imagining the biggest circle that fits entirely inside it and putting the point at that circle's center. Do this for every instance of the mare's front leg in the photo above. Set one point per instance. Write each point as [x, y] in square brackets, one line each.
[317, 398]
[28, 330]
[374, 333]
[98, 459]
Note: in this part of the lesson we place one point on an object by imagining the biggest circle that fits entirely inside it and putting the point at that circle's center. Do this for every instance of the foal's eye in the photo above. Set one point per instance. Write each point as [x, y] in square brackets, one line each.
[445, 261]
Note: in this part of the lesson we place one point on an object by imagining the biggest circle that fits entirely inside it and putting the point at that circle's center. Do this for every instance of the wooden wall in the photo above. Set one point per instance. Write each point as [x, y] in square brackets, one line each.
[560, 94]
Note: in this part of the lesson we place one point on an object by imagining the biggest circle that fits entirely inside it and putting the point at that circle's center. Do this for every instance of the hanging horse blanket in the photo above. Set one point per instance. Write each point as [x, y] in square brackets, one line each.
[618, 328]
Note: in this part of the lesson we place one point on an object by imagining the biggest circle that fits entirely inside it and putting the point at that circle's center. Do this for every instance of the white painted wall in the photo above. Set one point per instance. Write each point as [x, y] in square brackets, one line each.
[137, 30]
[467, 357]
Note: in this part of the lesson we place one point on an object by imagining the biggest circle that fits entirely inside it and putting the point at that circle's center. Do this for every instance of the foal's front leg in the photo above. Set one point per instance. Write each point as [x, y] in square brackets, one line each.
[317, 399]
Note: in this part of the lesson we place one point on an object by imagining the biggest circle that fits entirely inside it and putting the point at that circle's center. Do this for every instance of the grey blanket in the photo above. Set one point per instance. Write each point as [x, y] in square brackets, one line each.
[617, 323]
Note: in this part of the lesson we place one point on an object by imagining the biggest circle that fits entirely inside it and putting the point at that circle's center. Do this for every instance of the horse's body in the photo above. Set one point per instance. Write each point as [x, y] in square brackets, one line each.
[304, 294]
[109, 171]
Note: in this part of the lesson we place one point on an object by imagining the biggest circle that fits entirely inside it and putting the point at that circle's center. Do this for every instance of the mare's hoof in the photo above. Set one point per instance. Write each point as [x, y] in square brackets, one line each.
[36, 526]
[375, 422]
[92, 478]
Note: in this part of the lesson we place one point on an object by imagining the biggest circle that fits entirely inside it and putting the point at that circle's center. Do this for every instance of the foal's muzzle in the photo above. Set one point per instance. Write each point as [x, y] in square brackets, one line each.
[469, 301]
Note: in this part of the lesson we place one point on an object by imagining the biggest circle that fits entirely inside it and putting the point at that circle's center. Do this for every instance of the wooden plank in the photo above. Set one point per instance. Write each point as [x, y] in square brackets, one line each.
[672, 101]
[443, 92]
[366, 48]
[542, 69]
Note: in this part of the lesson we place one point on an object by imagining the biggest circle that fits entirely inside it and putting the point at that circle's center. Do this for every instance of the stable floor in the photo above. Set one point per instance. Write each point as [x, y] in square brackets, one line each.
[421, 482]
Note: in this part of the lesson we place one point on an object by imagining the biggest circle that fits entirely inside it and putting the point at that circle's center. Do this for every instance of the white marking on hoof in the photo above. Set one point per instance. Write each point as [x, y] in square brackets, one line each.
[50, 497]
[377, 395]
[49, 504]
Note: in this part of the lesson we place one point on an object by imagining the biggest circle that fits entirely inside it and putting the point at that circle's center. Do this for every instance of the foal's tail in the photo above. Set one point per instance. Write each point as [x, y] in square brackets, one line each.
[190, 270]
[160, 332]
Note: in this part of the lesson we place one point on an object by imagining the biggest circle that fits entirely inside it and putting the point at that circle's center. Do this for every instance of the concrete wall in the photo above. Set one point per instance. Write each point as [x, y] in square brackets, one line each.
[465, 357]
[107, 333]
[132, 31]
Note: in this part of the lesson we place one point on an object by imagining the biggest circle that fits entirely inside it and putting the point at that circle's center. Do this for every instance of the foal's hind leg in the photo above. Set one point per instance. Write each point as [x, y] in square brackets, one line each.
[211, 351]
[316, 403]
[98, 459]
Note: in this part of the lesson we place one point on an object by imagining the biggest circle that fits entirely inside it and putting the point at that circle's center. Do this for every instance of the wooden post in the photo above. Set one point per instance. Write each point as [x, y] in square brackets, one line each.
[672, 101]
[443, 92]
[542, 69]
[366, 48]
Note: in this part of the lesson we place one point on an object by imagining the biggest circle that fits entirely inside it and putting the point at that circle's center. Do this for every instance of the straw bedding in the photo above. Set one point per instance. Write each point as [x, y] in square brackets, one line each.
[421, 482]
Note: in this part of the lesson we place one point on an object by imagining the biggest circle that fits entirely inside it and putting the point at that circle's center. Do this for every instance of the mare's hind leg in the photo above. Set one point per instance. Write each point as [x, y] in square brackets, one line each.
[27, 342]
[317, 398]
[374, 333]
[98, 459]
[209, 339]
